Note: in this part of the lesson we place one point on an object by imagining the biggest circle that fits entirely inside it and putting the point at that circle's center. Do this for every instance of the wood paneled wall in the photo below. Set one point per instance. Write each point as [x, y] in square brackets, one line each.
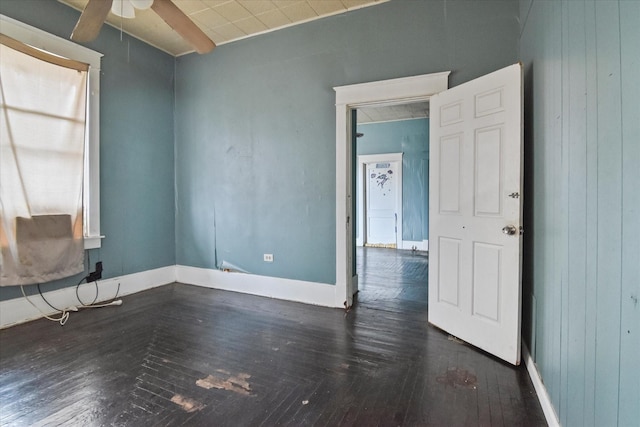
[582, 202]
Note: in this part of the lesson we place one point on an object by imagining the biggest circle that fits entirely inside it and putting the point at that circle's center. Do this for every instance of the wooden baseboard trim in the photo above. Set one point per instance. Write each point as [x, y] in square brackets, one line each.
[273, 287]
[19, 310]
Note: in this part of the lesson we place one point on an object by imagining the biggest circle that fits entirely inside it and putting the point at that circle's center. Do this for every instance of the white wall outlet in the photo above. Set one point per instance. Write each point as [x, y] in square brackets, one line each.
[268, 257]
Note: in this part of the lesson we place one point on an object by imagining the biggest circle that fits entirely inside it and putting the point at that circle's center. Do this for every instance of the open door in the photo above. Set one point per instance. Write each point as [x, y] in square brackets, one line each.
[475, 212]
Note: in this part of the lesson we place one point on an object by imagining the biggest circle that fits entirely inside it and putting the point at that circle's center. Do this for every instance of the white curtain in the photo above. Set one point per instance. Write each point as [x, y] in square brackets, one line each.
[42, 132]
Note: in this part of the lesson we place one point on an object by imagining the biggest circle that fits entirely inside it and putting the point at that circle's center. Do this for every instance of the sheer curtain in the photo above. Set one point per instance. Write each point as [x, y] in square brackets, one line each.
[42, 133]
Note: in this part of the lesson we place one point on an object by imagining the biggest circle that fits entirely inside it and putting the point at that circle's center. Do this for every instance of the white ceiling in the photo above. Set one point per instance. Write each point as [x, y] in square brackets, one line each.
[417, 110]
[225, 21]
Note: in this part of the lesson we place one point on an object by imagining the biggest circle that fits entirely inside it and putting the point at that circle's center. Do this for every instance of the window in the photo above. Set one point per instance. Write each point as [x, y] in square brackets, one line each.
[64, 48]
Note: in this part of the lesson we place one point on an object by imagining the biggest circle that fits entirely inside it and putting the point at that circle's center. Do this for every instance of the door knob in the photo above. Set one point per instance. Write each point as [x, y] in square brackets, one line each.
[509, 230]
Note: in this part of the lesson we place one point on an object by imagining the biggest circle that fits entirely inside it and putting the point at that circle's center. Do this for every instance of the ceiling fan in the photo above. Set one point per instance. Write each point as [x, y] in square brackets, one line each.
[96, 11]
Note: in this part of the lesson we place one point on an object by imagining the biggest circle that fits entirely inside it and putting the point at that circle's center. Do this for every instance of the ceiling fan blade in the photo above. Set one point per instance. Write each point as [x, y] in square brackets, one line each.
[183, 25]
[91, 20]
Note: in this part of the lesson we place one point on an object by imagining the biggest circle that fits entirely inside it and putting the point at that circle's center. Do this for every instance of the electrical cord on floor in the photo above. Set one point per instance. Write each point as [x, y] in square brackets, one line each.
[78, 295]
[64, 314]
[45, 300]
[93, 303]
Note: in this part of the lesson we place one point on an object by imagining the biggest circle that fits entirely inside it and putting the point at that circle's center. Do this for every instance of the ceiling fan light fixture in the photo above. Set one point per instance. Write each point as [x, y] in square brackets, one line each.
[96, 12]
[123, 8]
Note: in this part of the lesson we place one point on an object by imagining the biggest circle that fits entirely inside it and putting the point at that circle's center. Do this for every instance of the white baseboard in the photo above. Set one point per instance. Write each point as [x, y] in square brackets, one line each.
[421, 245]
[273, 287]
[541, 390]
[18, 310]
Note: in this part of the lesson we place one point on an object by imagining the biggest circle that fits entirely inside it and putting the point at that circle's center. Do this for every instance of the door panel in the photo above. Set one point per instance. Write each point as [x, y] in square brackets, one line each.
[449, 183]
[449, 269]
[488, 172]
[486, 280]
[475, 168]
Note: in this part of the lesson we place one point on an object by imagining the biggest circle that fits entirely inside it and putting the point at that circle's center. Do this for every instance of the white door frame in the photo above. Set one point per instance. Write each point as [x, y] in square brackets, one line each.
[380, 93]
[363, 161]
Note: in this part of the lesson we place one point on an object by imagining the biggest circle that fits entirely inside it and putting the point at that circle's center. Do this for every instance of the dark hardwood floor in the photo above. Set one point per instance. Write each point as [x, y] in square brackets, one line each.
[184, 355]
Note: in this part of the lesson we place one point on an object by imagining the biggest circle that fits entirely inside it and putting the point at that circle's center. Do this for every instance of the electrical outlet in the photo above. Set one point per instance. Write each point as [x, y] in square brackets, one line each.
[268, 257]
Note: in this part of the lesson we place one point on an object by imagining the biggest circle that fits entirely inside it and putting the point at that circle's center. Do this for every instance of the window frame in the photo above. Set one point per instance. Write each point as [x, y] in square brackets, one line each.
[91, 182]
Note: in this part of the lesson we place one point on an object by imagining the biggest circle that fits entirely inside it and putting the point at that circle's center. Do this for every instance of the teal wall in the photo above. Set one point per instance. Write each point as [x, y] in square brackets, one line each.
[136, 145]
[255, 124]
[410, 137]
[255, 160]
[582, 204]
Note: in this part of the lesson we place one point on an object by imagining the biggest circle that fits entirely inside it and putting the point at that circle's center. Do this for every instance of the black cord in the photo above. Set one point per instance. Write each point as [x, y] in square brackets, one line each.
[45, 300]
[117, 292]
[96, 297]
[78, 295]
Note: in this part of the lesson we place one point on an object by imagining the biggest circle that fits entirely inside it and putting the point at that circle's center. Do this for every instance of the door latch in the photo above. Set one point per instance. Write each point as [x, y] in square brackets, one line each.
[514, 195]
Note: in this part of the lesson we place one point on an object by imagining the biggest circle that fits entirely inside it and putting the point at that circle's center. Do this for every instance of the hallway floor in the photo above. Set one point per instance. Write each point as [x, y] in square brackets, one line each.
[185, 355]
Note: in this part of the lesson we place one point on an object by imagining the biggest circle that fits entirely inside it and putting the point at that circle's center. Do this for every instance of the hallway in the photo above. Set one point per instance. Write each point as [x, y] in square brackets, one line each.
[392, 279]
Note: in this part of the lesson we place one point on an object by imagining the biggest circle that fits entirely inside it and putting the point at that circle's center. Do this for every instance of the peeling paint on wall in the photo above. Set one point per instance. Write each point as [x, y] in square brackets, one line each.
[231, 268]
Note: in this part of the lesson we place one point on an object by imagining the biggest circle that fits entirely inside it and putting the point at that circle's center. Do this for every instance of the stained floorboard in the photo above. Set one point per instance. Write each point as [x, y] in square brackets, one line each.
[184, 355]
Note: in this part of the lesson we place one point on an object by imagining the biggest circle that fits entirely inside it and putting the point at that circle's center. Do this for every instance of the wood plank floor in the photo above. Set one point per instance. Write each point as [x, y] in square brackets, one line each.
[184, 355]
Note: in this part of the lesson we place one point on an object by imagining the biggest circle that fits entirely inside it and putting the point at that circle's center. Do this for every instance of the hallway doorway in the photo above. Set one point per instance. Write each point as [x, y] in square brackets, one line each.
[392, 280]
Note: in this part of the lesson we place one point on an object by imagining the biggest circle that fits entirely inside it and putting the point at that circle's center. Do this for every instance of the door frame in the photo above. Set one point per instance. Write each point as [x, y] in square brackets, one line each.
[361, 209]
[379, 93]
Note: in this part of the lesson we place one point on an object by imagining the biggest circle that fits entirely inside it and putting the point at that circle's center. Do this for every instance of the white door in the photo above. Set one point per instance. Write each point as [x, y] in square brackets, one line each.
[382, 203]
[475, 212]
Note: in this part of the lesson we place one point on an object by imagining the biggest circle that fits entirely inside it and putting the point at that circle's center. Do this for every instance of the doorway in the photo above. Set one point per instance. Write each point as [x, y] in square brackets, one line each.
[476, 212]
[380, 200]
[349, 98]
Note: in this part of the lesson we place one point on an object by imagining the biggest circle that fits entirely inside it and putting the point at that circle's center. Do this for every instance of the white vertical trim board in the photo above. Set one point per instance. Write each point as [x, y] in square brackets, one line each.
[273, 287]
[541, 390]
[18, 310]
